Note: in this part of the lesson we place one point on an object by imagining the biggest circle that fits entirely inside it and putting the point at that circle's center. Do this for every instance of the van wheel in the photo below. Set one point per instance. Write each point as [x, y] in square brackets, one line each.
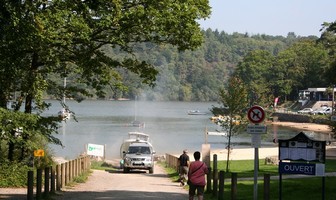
[151, 170]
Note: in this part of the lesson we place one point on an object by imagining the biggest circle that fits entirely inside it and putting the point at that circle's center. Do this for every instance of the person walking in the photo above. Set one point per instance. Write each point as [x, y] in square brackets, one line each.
[196, 177]
[184, 165]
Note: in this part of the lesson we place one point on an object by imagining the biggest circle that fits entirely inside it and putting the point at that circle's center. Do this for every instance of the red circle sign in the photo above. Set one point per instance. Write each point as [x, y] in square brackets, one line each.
[256, 114]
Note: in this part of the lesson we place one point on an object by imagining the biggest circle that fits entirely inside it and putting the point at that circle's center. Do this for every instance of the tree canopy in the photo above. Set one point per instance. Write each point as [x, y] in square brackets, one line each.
[43, 42]
[68, 37]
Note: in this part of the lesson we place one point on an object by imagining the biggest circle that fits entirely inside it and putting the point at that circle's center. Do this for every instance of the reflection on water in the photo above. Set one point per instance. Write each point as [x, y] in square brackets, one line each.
[170, 128]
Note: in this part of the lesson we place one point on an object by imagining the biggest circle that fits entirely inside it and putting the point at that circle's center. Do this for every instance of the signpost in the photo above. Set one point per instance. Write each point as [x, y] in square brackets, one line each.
[256, 115]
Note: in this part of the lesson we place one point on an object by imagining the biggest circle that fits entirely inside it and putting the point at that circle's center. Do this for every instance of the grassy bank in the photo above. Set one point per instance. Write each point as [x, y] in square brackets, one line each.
[306, 188]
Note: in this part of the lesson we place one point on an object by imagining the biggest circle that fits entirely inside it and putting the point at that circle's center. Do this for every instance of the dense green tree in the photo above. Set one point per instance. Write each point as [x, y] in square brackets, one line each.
[254, 71]
[300, 66]
[67, 37]
[328, 39]
[40, 39]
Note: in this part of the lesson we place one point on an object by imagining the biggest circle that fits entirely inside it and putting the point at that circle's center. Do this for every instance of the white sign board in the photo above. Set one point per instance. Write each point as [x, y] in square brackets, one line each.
[256, 140]
[256, 129]
[218, 133]
[95, 150]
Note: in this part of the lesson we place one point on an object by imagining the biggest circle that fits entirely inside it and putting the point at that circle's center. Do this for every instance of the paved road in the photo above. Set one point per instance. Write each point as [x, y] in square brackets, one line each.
[117, 186]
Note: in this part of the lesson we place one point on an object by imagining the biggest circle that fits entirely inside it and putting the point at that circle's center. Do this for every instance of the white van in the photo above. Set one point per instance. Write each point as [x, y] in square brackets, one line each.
[140, 155]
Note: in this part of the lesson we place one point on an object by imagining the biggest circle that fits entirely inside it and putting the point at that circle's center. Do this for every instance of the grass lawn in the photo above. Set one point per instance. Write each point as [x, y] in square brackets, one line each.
[307, 188]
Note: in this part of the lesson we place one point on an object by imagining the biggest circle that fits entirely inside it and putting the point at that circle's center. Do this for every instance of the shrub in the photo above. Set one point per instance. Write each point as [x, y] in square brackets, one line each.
[13, 174]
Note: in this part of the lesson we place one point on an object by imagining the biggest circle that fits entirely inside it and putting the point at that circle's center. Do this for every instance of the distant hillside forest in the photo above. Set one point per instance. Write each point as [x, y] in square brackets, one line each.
[195, 75]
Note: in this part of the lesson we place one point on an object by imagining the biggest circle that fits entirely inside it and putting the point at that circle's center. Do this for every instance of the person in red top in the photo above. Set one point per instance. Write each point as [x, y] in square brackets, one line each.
[196, 177]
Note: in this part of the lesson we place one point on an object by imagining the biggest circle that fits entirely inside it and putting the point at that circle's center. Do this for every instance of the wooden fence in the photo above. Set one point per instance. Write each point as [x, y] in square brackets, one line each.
[215, 179]
[55, 177]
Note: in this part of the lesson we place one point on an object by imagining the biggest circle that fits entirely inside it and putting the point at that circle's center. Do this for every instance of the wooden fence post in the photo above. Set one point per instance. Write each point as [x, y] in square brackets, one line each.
[30, 188]
[46, 182]
[209, 178]
[39, 184]
[70, 171]
[66, 173]
[62, 175]
[75, 167]
[58, 178]
[52, 180]
[215, 176]
[234, 186]
[78, 166]
[81, 165]
[221, 185]
[267, 179]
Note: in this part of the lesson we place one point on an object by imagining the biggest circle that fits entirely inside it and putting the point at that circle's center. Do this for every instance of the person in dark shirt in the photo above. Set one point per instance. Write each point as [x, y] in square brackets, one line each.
[184, 166]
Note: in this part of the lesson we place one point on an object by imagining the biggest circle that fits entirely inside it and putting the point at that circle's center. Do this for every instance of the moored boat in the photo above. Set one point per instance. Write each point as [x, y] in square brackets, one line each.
[64, 114]
[195, 112]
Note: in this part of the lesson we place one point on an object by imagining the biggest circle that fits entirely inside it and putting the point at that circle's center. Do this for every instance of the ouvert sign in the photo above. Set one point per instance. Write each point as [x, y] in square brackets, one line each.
[301, 168]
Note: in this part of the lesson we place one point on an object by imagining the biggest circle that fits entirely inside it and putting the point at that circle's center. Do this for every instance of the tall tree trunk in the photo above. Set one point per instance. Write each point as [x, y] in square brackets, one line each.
[30, 98]
[229, 146]
[3, 99]
[11, 146]
[29, 103]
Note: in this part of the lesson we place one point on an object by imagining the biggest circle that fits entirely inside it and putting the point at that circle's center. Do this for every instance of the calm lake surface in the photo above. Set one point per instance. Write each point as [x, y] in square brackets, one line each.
[170, 128]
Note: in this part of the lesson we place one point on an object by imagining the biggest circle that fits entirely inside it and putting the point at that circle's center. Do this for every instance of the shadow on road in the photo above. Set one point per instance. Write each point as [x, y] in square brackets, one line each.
[119, 195]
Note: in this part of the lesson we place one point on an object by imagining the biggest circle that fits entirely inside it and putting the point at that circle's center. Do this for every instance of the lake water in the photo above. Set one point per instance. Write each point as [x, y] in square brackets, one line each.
[170, 128]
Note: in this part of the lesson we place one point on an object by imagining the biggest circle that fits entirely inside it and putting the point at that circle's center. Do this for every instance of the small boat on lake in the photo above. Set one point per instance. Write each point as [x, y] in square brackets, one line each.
[137, 123]
[64, 114]
[195, 112]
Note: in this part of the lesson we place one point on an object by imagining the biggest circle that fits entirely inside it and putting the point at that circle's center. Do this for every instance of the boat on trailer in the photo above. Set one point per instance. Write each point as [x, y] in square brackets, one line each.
[133, 137]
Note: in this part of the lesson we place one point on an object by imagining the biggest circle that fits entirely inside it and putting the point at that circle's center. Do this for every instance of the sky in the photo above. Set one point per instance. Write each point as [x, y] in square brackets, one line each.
[270, 17]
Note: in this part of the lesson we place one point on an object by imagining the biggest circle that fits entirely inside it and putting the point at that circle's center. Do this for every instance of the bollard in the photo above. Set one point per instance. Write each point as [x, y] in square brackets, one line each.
[39, 184]
[221, 185]
[46, 182]
[267, 179]
[234, 186]
[30, 188]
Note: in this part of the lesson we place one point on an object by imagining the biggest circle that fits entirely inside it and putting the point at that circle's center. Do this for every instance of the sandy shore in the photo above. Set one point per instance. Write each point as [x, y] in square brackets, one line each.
[248, 153]
[306, 126]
